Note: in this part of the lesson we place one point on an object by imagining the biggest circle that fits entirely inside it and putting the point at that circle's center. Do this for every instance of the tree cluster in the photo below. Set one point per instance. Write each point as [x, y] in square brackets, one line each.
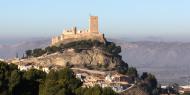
[112, 48]
[36, 82]
[96, 90]
[39, 52]
[15, 82]
[109, 47]
[149, 83]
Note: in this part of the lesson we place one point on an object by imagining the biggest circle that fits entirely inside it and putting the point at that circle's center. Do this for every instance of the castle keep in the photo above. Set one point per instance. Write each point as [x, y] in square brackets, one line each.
[74, 34]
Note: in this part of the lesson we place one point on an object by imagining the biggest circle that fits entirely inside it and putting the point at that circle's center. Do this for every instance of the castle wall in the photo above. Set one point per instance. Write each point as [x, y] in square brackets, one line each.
[55, 40]
[68, 32]
[76, 35]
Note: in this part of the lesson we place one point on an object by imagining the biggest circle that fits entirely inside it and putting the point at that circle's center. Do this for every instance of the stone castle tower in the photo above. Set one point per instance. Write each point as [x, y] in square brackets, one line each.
[93, 24]
[73, 34]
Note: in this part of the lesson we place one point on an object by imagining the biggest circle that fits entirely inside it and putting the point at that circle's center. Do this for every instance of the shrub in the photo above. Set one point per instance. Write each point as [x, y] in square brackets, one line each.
[78, 46]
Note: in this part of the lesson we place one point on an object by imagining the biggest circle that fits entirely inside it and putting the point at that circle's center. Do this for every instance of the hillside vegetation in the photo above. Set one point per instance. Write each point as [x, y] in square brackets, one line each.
[89, 54]
[109, 47]
[86, 54]
[63, 82]
[36, 82]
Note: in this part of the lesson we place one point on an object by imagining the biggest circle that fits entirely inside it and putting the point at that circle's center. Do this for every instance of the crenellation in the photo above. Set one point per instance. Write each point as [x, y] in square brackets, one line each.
[75, 34]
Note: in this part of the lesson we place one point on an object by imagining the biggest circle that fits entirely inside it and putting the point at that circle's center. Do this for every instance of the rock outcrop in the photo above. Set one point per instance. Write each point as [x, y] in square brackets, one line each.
[93, 57]
[135, 91]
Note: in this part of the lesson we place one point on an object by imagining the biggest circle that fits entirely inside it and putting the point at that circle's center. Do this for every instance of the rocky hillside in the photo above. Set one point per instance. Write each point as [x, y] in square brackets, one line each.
[160, 58]
[81, 53]
[88, 54]
[135, 91]
[93, 57]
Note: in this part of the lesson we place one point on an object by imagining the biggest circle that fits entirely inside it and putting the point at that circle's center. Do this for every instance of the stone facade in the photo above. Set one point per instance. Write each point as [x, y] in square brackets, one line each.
[93, 24]
[73, 34]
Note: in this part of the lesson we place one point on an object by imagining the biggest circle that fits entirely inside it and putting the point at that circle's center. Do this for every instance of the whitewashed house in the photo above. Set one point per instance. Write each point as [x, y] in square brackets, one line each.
[24, 67]
[46, 69]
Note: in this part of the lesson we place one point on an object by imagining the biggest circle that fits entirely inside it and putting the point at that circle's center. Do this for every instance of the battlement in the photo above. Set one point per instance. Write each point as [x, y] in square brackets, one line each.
[74, 34]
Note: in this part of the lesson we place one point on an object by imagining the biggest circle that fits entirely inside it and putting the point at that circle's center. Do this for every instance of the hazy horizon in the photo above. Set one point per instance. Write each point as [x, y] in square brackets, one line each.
[17, 40]
[163, 19]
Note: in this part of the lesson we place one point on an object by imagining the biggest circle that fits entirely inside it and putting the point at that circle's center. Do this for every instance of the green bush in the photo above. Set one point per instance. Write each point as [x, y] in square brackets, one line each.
[149, 83]
[78, 46]
[96, 90]
[36, 82]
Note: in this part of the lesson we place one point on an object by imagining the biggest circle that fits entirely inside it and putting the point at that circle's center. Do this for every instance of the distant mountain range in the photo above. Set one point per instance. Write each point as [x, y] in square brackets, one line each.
[169, 61]
[10, 50]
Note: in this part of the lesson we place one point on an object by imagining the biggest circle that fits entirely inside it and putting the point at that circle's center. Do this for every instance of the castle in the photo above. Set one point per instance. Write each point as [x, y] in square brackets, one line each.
[76, 35]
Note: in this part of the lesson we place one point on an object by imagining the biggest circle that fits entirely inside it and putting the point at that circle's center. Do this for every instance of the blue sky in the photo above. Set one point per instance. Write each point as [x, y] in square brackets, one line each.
[117, 18]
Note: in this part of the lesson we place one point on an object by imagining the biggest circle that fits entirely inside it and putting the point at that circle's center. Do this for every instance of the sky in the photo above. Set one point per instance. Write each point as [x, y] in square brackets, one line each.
[117, 18]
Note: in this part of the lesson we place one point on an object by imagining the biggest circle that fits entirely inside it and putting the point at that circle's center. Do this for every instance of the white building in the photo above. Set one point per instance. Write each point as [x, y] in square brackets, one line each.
[24, 67]
[117, 78]
[79, 76]
[108, 78]
[46, 69]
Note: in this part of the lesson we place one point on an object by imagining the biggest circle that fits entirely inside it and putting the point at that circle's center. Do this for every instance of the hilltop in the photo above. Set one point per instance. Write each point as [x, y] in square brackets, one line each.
[84, 54]
[144, 55]
[93, 62]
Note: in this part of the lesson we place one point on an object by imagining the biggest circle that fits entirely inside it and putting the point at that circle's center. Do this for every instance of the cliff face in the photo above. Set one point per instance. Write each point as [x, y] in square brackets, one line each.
[92, 57]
